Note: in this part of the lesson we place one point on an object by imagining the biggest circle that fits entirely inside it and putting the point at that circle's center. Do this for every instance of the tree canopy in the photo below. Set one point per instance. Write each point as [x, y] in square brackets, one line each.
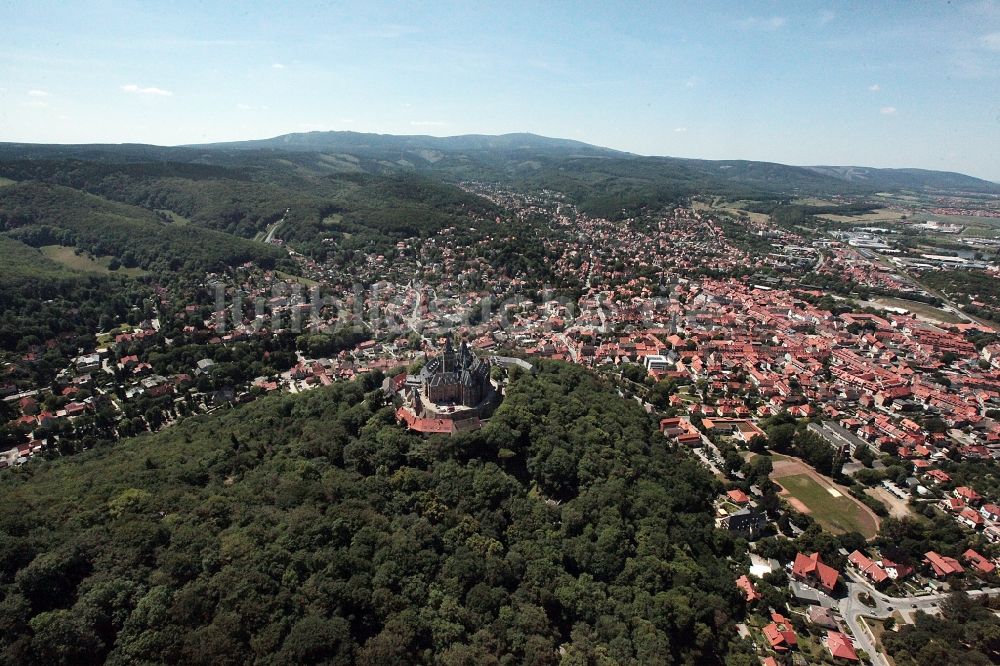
[313, 528]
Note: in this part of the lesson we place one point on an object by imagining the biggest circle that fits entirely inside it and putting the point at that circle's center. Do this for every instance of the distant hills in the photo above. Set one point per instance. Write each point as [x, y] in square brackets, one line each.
[420, 148]
[365, 143]
[907, 178]
[347, 193]
[522, 158]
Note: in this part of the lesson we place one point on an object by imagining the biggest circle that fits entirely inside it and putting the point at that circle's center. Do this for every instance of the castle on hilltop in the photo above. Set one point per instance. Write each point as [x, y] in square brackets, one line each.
[457, 378]
[452, 392]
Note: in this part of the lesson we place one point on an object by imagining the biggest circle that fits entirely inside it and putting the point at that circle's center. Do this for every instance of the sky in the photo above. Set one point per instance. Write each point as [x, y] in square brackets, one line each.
[887, 84]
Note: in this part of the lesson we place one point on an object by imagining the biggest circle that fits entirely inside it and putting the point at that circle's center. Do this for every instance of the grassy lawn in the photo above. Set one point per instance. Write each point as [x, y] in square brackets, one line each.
[305, 282]
[68, 257]
[6, 181]
[836, 514]
[729, 508]
[922, 309]
[174, 217]
[332, 220]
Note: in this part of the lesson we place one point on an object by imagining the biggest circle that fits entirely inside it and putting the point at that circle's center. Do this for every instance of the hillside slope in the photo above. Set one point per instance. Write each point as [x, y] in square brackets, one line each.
[243, 194]
[312, 529]
[44, 214]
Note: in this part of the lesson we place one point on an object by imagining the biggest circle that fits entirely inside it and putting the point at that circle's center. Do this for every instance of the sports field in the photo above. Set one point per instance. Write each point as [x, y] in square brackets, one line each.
[833, 509]
[829, 504]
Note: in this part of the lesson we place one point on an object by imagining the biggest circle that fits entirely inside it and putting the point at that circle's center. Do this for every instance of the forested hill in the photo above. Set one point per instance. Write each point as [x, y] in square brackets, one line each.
[242, 186]
[312, 529]
[43, 214]
[329, 203]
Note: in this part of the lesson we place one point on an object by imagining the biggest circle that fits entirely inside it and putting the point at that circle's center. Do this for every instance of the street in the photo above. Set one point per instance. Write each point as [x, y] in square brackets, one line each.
[852, 608]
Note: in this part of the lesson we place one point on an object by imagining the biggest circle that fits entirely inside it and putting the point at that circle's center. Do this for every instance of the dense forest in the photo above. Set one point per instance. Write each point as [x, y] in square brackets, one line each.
[41, 214]
[313, 529]
[326, 200]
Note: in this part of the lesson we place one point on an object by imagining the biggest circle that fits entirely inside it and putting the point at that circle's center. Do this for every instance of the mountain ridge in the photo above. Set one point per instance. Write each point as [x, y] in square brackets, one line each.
[518, 142]
[318, 140]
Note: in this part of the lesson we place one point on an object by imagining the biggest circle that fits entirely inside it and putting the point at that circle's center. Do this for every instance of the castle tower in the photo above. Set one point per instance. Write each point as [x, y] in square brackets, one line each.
[448, 358]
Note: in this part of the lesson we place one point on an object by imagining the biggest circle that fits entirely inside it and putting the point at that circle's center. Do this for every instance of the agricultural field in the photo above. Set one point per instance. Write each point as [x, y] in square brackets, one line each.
[813, 201]
[828, 504]
[877, 215]
[733, 208]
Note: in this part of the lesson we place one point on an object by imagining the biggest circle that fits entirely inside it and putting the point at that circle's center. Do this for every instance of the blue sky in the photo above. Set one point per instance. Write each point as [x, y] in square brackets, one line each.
[878, 84]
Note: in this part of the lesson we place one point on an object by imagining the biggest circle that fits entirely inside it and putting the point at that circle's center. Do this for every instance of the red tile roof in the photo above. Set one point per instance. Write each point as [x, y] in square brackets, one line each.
[942, 565]
[780, 636]
[840, 646]
[869, 568]
[972, 516]
[968, 494]
[977, 560]
[811, 566]
[738, 496]
[747, 586]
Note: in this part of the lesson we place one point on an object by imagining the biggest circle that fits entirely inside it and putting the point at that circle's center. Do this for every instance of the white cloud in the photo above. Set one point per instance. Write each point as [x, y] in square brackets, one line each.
[680, 129]
[991, 41]
[37, 104]
[243, 107]
[277, 65]
[132, 88]
[874, 87]
[427, 123]
[37, 93]
[826, 16]
[757, 23]
[887, 110]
